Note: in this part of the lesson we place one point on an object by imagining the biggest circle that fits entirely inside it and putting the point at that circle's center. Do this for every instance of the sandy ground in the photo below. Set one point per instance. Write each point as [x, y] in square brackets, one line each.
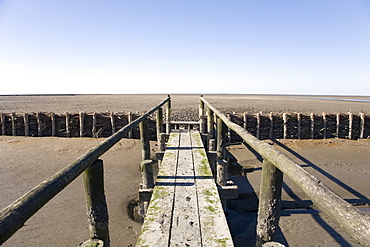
[26, 161]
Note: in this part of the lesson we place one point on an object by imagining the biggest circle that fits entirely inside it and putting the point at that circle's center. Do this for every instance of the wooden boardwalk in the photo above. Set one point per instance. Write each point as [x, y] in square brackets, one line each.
[185, 208]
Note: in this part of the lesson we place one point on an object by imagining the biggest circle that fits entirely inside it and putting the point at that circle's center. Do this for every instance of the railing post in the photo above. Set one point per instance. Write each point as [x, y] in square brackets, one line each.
[168, 116]
[144, 136]
[210, 123]
[159, 124]
[202, 120]
[269, 203]
[97, 210]
[221, 138]
[146, 168]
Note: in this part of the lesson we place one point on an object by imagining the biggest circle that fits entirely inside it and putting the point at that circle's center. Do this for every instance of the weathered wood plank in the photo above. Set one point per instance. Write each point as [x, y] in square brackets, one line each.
[185, 209]
[156, 227]
[185, 229]
[215, 231]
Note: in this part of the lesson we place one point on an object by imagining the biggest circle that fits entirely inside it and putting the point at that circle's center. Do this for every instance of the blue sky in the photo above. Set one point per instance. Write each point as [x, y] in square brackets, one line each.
[269, 47]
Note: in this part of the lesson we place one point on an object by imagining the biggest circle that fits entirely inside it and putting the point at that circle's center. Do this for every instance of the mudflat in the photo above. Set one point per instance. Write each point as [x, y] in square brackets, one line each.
[27, 161]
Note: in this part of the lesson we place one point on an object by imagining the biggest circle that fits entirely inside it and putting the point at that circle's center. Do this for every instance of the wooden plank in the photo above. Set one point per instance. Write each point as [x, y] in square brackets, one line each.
[156, 227]
[185, 209]
[185, 229]
[214, 228]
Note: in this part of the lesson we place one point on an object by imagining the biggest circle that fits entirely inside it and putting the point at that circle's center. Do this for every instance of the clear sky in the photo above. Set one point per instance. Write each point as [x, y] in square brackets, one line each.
[185, 46]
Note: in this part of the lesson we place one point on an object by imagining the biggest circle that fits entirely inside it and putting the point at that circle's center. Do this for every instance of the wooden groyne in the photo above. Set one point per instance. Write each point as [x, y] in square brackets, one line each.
[304, 126]
[262, 126]
[81, 124]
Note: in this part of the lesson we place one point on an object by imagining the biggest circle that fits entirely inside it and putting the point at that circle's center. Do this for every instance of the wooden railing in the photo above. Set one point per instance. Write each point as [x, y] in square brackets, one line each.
[275, 164]
[13, 217]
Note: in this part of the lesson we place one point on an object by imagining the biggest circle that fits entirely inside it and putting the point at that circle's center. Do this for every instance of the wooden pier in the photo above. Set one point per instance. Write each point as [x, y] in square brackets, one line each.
[185, 208]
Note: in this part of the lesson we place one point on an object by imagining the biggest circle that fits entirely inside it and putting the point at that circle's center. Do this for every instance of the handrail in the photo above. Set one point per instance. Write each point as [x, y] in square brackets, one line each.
[17, 213]
[351, 219]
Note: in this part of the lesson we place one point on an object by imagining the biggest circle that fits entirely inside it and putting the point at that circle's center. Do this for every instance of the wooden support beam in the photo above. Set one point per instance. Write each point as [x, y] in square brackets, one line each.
[299, 125]
[39, 124]
[26, 125]
[202, 118]
[129, 118]
[210, 123]
[82, 123]
[285, 125]
[146, 168]
[112, 122]
[159, 125]
[221, 138]
[14, 129]
[168, 116]
[269, 203]
[312, 132]
[271, 133]
[245, 120]
[144, 136]
[362, 125]
[350, 125]
[94, 130]
[96, 205]
[338, 126]
[68, 132]
[53, 124]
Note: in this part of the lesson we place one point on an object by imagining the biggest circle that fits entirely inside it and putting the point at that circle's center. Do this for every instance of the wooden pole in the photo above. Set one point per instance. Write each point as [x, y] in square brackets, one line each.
[312, 126]
[338, 125]
[202, 119]
[129, 116]
[14, 130]
[258, 127]
[94, 132]
[159, 124]
[362, 125]
[221, 172]
[113, 122]
[221, 138]
[96, 205]
[350, 125]
[144, 136]
[162, 142]
[271, 134]
[3, 123]
[299, 128]
[245, 120]
[82, 123]
[168, 116]
[146, 168]
[26, 126]
[269, 203]
[285, 125]
[39, 129]
[210, 124]
[324, 123]
[68, 132]
[212, 145]
[53, 128]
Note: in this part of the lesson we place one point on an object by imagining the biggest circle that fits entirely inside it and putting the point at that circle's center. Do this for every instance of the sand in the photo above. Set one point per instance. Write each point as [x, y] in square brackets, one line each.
[26, 161]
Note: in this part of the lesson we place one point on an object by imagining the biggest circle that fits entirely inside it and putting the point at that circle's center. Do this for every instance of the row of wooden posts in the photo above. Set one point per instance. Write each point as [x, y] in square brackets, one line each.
[263, 126]
[275, 164]
[14, 216]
